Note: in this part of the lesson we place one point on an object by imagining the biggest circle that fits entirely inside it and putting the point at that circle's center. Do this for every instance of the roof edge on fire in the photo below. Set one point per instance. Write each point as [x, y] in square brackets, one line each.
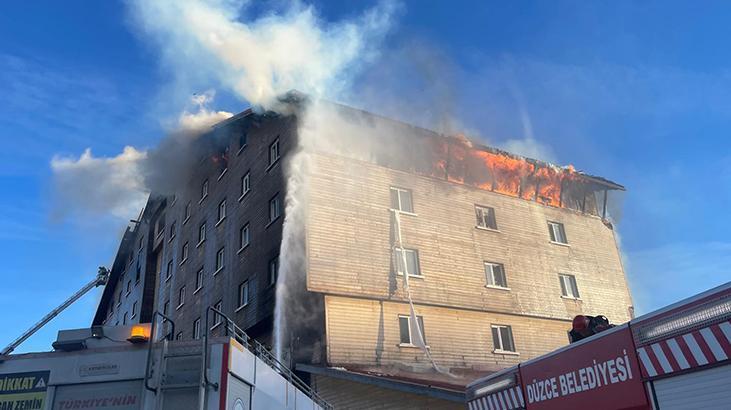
[294, 101]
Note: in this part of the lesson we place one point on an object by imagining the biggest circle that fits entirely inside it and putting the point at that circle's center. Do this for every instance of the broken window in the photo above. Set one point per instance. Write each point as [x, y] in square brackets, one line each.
[274, 152]
[485, 217]
[401, 200]
[502, 338]
[412, 261]
[495, 275]
[568, 286]
[405, 335]
[557, 232]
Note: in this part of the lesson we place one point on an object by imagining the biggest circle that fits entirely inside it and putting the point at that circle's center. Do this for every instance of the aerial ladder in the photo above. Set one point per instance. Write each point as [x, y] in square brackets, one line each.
[101, 279]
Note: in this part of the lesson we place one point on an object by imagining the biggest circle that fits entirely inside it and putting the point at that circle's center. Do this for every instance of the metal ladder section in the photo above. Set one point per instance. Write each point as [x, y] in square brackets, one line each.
[179, 371]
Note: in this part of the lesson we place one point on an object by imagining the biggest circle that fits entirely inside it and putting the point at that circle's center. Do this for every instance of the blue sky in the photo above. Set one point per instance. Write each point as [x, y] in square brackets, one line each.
[638, 92]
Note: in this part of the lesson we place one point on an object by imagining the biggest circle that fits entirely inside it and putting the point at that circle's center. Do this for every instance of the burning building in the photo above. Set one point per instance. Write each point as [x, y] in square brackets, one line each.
[387, 263]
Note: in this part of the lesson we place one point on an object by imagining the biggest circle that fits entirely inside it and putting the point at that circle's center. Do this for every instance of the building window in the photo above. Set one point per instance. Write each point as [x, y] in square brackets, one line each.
[217, 318]
[412, 261]
[138, 273]
[204, 190]
[119, 299]
[401, 200]
[184, 253]
[186, 214]
[142, 242]
[219, 260]
[199, 279]
[485, 217]
[274, 152]
[245, 184]
[275, 209]
[502, 338]
[242, 140]
[179, 336]
[124, 318]
[244, 236]
[201, 233]
[404, 323]
[557, 232]
[166, 308]
[129, 287]
[172, 230]
[244, 294]
[181, 297]
[568, 286]
[495, 275]
[134, 310]
[169, 272]
[197, 329]
[221, 210]
[273, 269]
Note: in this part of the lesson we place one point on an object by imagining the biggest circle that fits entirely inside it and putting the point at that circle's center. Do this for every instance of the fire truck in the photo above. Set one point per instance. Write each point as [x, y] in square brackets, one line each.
[673, 358]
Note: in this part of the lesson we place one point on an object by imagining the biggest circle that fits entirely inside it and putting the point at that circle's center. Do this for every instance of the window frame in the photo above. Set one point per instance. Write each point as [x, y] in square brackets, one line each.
[186, 212]
[220, 260]
[481, 219]
[134, 310]
[497, 329]
[561, 233]
[172, 231]
[491, 276]
[217, 319]
[273, 276]
[184, 251]
[169, 272]
[245, 228]
[202, 232]
[199, 277]
[274, 146]
[221, 214]
[181, 297]
[410, 343]
[243, 301]
[573, 286]
[204, 190]
[398, 260]
[398, 191]
[275, 200]
[245, 185]
[197, 329]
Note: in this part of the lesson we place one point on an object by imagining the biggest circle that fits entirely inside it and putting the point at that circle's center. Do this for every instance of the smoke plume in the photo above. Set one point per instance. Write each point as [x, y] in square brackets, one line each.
[120, 185]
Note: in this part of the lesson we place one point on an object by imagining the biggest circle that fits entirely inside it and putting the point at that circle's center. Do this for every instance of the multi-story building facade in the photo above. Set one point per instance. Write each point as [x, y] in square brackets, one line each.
[500, 252]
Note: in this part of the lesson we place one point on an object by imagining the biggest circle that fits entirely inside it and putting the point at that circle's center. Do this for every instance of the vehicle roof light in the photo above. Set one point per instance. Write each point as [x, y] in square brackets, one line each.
[684, 322]
[497, 385]
[139, 334]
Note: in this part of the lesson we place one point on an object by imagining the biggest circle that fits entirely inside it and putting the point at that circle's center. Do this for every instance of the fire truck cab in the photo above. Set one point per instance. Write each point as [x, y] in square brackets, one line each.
[673, 358]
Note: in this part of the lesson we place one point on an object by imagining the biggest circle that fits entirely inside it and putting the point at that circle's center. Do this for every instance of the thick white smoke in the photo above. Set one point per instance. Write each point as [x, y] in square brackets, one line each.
[261, 58]
[119, 185]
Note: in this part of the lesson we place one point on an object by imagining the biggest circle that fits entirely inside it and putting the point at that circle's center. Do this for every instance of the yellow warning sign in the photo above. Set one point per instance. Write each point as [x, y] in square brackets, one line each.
[23, 391]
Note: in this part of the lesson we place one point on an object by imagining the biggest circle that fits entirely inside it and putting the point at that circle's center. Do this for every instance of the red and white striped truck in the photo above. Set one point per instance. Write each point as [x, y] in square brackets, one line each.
[673, 358]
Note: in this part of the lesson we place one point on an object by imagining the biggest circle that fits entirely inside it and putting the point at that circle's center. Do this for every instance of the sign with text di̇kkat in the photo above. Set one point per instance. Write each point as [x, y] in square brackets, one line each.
[601, 374]
[23, 391]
